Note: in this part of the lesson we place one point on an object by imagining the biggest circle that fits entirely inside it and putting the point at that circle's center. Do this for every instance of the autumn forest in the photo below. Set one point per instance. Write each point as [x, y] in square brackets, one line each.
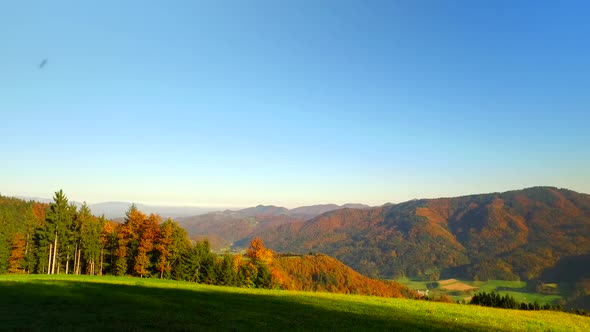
[60, 238]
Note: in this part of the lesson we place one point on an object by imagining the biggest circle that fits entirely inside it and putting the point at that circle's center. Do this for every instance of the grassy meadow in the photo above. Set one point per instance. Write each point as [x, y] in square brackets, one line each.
[65, 302]
[517, 289]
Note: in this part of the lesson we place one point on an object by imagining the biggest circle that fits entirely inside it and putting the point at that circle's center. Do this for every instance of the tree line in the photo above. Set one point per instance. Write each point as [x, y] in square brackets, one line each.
[62, 238]
[507, 301]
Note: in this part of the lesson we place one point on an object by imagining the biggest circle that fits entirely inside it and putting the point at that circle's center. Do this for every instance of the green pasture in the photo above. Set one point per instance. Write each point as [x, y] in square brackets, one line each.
[82, 303]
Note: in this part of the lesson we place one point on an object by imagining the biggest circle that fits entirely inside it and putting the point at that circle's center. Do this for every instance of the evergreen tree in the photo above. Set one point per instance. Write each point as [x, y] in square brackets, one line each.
[90, 244]
[57, 220]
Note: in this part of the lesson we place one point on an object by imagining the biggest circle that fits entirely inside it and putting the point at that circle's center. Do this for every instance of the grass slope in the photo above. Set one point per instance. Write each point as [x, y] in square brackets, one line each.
[130, 304]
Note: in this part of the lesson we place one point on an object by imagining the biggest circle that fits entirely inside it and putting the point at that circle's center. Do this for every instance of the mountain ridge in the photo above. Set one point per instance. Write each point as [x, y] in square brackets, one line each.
[511, 235]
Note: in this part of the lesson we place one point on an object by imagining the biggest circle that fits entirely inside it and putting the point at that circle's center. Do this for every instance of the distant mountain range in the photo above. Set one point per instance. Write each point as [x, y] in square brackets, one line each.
[513, 235]
[223, 228]
[115, 210]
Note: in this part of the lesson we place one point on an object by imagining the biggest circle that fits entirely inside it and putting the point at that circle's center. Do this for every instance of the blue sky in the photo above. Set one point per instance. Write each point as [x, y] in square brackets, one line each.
[237, 103]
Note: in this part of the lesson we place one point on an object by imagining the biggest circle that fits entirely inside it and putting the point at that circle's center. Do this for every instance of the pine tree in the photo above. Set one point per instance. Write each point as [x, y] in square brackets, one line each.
[57, 220]
[90, 245]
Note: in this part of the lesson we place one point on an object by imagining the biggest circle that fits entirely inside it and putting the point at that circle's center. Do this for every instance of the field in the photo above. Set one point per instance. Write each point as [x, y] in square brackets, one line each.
[42, 302]
[454, 288]
[456, 285]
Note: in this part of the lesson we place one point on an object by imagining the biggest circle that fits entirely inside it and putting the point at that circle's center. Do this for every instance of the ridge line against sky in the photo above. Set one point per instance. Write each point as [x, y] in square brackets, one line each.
[292, 103]
[270, 204]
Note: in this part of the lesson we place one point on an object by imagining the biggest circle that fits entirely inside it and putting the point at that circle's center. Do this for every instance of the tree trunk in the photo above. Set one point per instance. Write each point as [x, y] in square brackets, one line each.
[101, 258]
[49, 262]
[27, 268]
[76, 260]
[67, 263]
[54, 254]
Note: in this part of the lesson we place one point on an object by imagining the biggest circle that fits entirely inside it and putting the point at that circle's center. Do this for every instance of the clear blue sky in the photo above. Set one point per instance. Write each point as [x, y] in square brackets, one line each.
[237, 103]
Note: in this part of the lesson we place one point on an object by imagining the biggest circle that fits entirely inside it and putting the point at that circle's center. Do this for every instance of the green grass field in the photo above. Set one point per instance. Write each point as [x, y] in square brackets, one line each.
[517, 289]
[64, 302]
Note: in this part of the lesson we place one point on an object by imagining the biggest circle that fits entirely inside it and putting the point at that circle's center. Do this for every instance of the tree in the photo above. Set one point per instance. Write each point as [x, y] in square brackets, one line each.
[79, 229]
[17, 255]
[267, 275]
[148, 233]
[258, 253]
[226, 275]
[57, 219]
[164, 242]
[90, 244]
[127, 240]
[108, 242]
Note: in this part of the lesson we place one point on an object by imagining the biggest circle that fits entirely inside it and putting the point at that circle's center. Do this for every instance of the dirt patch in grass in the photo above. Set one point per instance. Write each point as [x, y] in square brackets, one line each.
[458, 286]
[447, 282]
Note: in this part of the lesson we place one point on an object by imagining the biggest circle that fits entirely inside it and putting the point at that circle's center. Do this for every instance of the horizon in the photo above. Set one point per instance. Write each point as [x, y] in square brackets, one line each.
[297, 103]
[155, 205]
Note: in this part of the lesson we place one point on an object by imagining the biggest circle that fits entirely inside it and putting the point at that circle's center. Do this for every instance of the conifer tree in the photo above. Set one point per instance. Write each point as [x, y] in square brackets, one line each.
[57, 220]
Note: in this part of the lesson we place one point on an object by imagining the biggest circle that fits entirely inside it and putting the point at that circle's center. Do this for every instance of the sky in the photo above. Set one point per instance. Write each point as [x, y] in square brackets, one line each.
[239, 103]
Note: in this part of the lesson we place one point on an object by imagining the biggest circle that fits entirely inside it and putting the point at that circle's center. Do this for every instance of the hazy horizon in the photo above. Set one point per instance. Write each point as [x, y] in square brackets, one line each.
[292, 103]
[235, 207]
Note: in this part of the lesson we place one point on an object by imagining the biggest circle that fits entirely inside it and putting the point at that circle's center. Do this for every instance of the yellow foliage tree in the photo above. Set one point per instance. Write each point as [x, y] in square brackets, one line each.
[257, 252]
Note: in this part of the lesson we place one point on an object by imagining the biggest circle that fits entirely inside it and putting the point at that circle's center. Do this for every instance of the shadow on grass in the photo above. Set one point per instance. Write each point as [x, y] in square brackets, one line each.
[73, 305]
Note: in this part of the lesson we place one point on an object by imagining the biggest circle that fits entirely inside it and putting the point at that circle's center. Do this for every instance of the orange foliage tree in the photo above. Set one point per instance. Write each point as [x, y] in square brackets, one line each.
[262, 259]
[17, 255]
[148, 233]
[258, 253]
[165, 240]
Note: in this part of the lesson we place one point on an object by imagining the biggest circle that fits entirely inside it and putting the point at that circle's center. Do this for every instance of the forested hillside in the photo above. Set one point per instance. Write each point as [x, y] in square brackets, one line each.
[224, 228]
[59, 238]
[511, 235]
[323, 273]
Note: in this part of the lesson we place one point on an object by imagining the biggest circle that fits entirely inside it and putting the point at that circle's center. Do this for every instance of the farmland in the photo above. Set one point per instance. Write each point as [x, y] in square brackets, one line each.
[463, 289]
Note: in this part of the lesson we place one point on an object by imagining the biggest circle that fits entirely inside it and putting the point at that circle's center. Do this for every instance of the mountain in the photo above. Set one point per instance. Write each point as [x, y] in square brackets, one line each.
[269, 210]
[302, 212]
[511, 235]
[226, 228]
[308, 212]
[38, 199]
[116, 210]
[223, 228]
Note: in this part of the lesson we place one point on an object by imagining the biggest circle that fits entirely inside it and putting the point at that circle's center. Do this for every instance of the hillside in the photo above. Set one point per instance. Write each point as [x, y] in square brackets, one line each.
[323, 273]
[511, 235]
[224, 228]
[84, 303]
